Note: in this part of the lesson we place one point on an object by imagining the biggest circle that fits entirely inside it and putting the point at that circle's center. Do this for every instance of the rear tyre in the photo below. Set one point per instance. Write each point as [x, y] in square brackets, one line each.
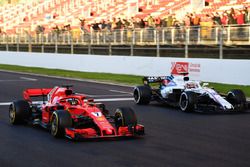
[60, 120]
[125, 117]
[19, 112]
[236, 97]
[142, 94]
[187, 101]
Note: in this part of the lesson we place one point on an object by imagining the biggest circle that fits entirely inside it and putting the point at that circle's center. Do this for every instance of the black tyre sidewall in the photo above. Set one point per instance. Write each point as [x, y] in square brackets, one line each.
[127, 115]
[236, 96]
[64, 120]
[142, 94]
[190, 100]
[22, 111]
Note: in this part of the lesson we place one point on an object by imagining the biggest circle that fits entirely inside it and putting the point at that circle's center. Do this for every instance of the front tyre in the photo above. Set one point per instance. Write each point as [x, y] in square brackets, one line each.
[187, 101]
[142, 94]
[125, 116]
[237, 98]
[60, 120]
[19, 112]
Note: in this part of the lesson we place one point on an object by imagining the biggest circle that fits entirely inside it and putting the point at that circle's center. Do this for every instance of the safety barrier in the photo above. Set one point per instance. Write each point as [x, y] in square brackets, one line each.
[212, 70]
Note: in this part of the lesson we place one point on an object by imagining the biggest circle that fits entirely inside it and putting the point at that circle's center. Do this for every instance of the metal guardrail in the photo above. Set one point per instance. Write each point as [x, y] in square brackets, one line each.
[202, 35]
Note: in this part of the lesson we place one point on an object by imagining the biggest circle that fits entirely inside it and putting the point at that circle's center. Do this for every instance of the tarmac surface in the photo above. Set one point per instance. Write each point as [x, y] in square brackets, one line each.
[173, 138]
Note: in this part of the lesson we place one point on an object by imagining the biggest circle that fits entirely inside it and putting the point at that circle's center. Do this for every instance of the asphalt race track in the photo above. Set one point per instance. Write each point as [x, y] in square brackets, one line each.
[173, 138]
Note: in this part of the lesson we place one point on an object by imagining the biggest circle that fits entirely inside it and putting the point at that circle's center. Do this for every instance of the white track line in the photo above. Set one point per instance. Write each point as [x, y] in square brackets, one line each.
[18, 80]
[96, 96]
[28, 79]
[95, 100]
[114, 99]
[68, 78]
[123, 92]
[5, 104]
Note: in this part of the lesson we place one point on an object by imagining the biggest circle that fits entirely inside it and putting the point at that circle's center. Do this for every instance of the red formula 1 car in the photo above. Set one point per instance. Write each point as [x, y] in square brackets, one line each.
[69, 114]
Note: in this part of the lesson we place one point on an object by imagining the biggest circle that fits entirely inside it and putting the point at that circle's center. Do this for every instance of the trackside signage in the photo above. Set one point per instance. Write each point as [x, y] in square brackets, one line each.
[193, 69]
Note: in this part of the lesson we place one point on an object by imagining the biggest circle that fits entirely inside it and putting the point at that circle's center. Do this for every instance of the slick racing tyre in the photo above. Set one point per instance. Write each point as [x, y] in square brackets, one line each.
[125, 117]
[142, 94]
[236, 97]
[60, 120]
[187, 101]
[19, 112]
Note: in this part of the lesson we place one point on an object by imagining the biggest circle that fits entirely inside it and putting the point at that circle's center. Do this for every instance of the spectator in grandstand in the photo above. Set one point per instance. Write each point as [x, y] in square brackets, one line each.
[180, 30]
[136, 23]
[196, 20]
[196, 26]
[55, 32]
[224, 18]
[187, 20]
[131, 21]
[82, 24]
[119, 24]
[127, 24]
[150, 21]
[103, 25]
[191, 17]
[170, 20]
[157, 21]
[113, 23]
[66, 28]
[109, 25]
[231, 16]
[95, 26]
[240, 17]
[217, 19]
[164, 21]
[247, 14]
[40, 29]
[142, 23]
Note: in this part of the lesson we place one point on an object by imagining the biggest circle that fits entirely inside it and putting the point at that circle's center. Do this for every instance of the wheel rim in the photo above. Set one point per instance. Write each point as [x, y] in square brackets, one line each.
[54, 125]
[12, 114]
[183, 102]
[118, 119]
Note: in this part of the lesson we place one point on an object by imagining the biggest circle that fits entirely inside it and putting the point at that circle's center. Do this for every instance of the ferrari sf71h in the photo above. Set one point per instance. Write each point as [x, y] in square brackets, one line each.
[188, 95]
[68, 114]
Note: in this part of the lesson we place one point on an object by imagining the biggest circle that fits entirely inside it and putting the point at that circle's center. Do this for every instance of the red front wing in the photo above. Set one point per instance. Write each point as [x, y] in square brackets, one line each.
[91, 133]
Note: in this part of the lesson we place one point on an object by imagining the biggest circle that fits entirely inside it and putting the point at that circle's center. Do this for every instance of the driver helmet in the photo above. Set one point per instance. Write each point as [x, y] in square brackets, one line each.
[167, 79]
[73, 101]
[191, 85]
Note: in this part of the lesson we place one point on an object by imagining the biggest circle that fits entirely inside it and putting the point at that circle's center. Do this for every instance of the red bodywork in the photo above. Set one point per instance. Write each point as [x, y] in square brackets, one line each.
[57, 98]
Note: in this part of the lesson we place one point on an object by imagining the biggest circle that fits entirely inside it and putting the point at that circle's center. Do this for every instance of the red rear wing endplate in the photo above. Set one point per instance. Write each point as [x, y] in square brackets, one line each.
[35, 93]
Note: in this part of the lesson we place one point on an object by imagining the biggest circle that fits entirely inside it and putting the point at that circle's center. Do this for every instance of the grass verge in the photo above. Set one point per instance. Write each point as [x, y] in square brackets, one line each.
[105, 77]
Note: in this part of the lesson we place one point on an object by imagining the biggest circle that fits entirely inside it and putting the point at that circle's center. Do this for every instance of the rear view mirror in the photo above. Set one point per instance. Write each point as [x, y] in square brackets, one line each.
[205, 84]
[186, 78]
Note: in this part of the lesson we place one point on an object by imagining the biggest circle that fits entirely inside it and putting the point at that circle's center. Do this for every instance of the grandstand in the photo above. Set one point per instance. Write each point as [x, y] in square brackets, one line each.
[22, 15]
[20, 19]
[25, 15]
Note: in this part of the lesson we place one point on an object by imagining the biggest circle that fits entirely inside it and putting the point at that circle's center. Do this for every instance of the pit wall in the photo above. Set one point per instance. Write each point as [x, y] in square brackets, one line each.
[212, 70]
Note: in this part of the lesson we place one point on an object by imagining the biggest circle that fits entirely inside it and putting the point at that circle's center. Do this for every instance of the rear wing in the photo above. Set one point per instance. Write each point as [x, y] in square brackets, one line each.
[153, 79]
[41, 92]
[156, 79]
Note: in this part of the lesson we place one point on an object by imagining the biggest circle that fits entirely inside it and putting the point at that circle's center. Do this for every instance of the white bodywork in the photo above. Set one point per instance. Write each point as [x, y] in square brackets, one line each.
[178, 83]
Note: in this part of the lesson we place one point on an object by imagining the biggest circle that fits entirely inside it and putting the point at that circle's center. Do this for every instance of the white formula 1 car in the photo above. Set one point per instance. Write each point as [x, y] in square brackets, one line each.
[189, 95]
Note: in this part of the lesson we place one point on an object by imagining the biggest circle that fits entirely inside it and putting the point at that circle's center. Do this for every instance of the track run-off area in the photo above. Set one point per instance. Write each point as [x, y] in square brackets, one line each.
[173, 138]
